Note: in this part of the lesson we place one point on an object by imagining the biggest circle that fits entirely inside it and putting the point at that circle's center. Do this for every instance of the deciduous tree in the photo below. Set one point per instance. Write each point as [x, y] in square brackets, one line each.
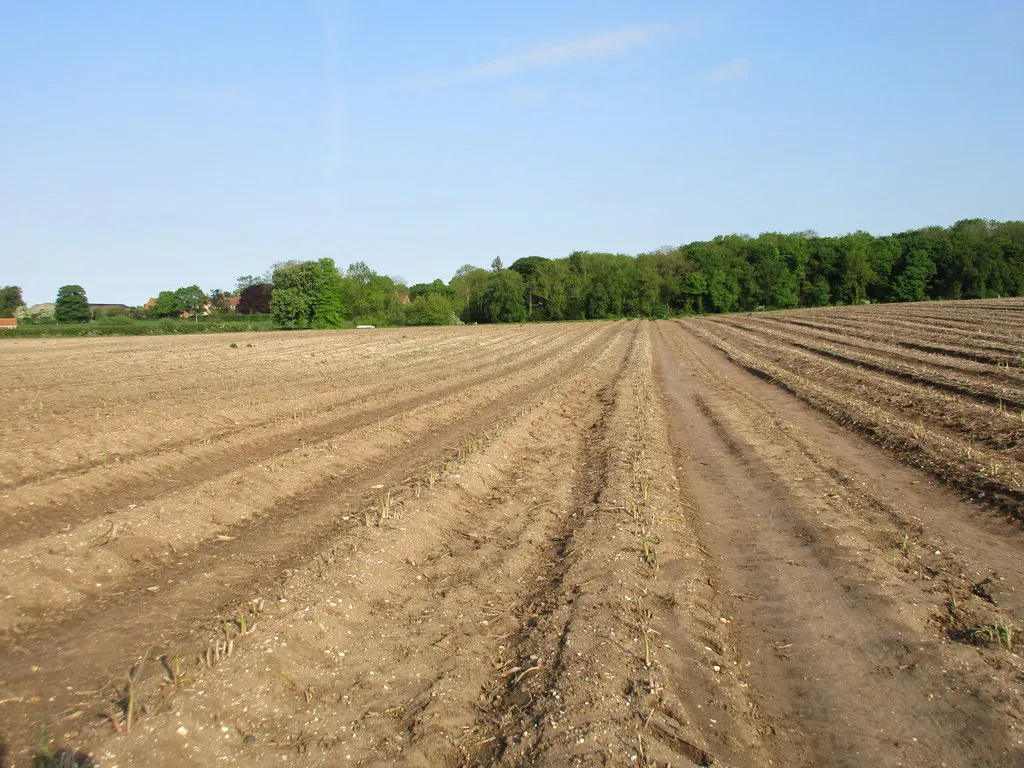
[10, 300]
[72, 306]
[247, 281]
[220, 301]
[255, 300]
[430, 309]
[192, 300]
[912, 282]
[166, 305]
[307, 295]
[502, 300]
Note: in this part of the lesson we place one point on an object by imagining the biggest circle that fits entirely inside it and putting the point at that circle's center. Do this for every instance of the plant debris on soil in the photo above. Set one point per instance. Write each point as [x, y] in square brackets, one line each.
[789, 538]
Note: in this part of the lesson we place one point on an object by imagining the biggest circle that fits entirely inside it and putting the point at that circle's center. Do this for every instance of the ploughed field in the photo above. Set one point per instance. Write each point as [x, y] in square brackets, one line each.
[786, 538]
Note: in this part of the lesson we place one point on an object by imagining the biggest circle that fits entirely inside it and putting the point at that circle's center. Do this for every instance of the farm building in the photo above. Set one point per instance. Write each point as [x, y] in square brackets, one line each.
[8, 322]
[108, 307]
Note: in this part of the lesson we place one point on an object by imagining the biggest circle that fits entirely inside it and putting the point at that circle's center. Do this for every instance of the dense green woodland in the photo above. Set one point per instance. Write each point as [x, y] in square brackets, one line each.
[974, 258]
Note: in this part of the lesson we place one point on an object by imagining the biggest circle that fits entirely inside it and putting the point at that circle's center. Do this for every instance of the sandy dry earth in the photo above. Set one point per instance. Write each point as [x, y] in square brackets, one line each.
[838, 566]
[582, 544]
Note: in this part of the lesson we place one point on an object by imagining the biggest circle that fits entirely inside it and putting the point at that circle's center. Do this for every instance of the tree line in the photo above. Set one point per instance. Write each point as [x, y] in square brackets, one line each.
[974, 258]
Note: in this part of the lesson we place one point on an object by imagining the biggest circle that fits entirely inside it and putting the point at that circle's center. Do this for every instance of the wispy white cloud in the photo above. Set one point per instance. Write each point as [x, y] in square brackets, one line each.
[734, 69]
[607, 45]
[603, 46]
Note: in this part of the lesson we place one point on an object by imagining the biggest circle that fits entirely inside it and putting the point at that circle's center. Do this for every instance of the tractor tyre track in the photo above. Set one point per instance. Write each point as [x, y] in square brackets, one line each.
[841, 641]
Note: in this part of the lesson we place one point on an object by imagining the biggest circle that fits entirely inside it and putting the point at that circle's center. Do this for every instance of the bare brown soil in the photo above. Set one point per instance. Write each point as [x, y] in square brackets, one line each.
[581, 544]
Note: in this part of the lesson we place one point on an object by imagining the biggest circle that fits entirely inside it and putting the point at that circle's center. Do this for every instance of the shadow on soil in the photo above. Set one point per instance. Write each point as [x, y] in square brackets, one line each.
[62, 758]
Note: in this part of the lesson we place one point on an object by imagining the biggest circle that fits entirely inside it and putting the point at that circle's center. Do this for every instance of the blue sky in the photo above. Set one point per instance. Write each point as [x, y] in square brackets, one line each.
[146, 146]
